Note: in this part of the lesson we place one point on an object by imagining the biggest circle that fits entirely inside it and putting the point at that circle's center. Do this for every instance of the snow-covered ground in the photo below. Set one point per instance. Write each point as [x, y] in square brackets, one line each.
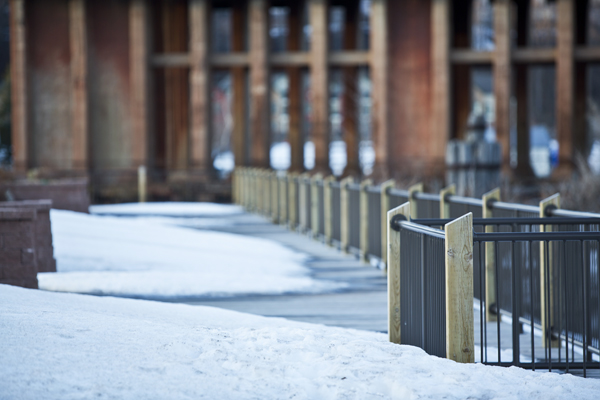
[139, 257]
[169, 209]
[68, 346]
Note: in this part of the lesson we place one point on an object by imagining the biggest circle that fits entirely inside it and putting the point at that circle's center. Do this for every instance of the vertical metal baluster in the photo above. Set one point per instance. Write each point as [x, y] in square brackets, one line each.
[422, 271]
[585, 311]
[497, 298]
[547, 301]
[531, 302]
[481, 297]
[566, 304]
[515, 312]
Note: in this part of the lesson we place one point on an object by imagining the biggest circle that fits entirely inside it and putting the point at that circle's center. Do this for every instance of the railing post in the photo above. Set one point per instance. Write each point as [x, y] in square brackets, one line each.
[327, 214]
[385, 207]
[303, 217]
[364, 219]
[274, 197]
[142, 184]
[314, 204]
[267, 192]
[283, 206]
[414, 210]
[244, 176]
[546, 272]
[444, 205]
[292, 212]
[344, 217]
[252, 185]
[460, 345]
[393, 267]
[490, 258]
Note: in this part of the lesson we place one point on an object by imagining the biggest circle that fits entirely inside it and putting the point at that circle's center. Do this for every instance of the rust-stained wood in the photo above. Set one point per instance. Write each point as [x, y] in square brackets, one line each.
[295, 134]
[547, 292]
[79, 91]
[350, 107]
[139, 75]
[379, 65]
[319, 83]
[238, 86]
[490, 257]
[502, 75]
[18, 81]
[565, 88]
[393, 270]
[259, 83]
[441, 106]
[199, 81]
[460, 344]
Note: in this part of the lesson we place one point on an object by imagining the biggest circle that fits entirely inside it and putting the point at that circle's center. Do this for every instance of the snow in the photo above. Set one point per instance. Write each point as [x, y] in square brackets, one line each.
[139, 257]
[68, 346]
[172, 209]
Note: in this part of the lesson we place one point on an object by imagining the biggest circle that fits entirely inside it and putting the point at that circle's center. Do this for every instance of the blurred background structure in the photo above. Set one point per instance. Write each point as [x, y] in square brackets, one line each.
[191, 88]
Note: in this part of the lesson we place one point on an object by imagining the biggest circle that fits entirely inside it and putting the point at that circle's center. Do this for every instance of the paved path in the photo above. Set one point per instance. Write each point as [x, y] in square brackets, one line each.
[363, 305]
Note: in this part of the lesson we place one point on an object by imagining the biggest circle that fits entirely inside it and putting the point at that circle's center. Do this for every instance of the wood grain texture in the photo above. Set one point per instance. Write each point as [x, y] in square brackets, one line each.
[444, 205]
[414, 210]
[490, 258]
[79, 87]
[385, 207]
[546, 272]
[393, 271]
[364, 219]
[460, 345]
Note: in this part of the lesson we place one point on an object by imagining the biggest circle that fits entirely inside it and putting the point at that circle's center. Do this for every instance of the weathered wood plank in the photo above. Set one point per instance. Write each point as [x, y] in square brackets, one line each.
[460, 344]
[393, 268]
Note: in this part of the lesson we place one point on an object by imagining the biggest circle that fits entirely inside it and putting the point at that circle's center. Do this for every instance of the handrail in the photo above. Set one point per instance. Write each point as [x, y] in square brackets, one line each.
[426, 196]
[464, 200]
[500, 205]
[514, 221]
[374, 189]
[535, 236]
[397, 192]
[558, 212]
[397, 223]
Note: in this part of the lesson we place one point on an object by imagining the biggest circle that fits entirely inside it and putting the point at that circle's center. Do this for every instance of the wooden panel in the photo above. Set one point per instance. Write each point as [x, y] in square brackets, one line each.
[565, 10]
[199, 85]
[440, 76]
[18, 81]
[460, 344]
[319, 83]
[259, 83]
[344, 213]
[380, 83]
[138, 31]
[502, 76]
[364, 219]
[393, 281]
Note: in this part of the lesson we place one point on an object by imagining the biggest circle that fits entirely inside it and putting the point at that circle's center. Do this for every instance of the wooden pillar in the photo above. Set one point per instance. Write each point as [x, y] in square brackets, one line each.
[327, 208]
[238, 82]
[319, 83]
[344, 213]
[393, 267]
[18, 81]
[138, 61]
[565, 31]
[296, 137]
[350, 100]
[259, 83]
[364, 219]
[547, 292]
[199, 86]
[385, 207]
[440, 77]
[502, 65]
[379, 65]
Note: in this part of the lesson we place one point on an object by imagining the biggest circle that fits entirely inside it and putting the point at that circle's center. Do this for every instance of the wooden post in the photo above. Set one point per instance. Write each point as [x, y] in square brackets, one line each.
[275, 206]
[19, 87]
[302, 203]
[283, 200]
[142, 184]
[460, 345]
[502, 66]
[444, 205]
[364, 219]
[417, 187]
[565, 84]
[327, 214]
[490, 258]
[252, 187]
[259, 82]
[546, 282]
[314, 204]
[379, 67]
[199, 85]
[440, 78]
[393, 267]
[344, 213]
[293, 216]
[319, 83]
[79, 92]
[385, 207]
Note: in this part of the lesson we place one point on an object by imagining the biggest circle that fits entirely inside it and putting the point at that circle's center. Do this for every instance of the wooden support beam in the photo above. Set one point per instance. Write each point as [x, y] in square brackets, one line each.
[385, 207]
[319, 83]
[565, 84]
[587, 54]
[460, 344]
[380, 96]
[199, 86]
[18, 82]
[502, 76]
[441, 106]
[303, 182]
[490, 258]
[364, 219]
[79, 92]
[444, 205]
[259, 83]
[547, 292]
[349, 58]
[139, 75]
[393, 268]
[238, 86]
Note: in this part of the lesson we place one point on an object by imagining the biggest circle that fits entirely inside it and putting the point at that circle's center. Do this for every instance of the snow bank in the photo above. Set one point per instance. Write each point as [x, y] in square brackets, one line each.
[170, 209]
[61, 346]
[140, 258]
